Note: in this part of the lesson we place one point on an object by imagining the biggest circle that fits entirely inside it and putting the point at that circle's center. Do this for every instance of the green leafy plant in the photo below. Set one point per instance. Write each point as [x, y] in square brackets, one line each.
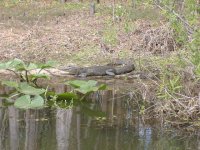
[86, 87]
[23, 71]
[169, 86]
[27, 96]
[71, 99]
[26, 102]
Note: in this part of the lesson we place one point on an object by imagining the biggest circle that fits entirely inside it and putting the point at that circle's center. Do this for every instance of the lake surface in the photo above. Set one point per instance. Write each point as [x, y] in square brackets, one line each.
[107, 121]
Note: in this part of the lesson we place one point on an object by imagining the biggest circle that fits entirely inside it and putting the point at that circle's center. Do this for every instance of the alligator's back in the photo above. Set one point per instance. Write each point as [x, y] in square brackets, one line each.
[117, 68]
[96, 70]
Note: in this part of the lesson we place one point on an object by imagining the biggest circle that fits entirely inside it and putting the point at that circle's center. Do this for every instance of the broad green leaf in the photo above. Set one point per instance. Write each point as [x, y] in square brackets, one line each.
[12, 64]
[49, 64]
[87, 89]
[25, 88]
[20, 67]
[16, 64]
[91, 83]
[23, 102]
[79, 83]
[31, 66]
[76, 83]
[37, 76]
[10, 84]
[37, 102]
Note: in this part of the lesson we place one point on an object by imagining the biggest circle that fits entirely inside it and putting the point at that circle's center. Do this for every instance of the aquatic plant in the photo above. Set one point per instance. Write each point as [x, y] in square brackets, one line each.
[86, 87]
[23, 70]
[27, 96]
[70, 99]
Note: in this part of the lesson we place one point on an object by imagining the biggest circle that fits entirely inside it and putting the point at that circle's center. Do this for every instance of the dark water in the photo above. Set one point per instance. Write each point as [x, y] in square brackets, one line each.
[107, 122]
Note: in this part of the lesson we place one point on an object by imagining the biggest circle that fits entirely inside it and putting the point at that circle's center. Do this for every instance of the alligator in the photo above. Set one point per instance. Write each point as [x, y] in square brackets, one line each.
[112, 69]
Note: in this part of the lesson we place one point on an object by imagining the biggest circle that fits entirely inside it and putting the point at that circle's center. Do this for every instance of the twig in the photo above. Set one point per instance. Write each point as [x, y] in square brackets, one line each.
[26, 74]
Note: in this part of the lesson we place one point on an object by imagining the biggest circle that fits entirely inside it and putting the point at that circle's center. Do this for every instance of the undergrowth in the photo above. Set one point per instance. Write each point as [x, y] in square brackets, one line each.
[172, 42]
[177, 98]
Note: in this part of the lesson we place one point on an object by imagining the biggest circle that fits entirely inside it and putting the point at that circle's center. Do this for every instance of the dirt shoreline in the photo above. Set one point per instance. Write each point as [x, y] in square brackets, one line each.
[60, 73]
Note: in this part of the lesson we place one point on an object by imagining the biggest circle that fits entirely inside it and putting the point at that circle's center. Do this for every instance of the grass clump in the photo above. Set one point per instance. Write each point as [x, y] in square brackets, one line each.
[174, 98]
[110, 33]
[76, 6]
[110, 36]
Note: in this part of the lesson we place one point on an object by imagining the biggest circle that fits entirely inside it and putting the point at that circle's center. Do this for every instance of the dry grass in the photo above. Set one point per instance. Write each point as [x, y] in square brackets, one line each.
[40, 31]
[159, 40]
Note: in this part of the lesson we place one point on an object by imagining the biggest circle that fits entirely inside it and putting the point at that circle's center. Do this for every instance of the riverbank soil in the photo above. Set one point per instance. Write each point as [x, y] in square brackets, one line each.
[44, 30]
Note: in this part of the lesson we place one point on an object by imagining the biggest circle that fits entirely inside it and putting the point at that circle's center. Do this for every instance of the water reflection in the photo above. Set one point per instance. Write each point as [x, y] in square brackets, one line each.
[13, 127]
[63, 123]
[77, 129]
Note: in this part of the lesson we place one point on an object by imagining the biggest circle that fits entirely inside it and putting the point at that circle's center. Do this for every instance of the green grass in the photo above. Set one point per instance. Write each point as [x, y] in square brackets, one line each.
[110, 36]
[76, 6]
[30, 11]
[129, 26]
[86, 56]
[126, 12]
